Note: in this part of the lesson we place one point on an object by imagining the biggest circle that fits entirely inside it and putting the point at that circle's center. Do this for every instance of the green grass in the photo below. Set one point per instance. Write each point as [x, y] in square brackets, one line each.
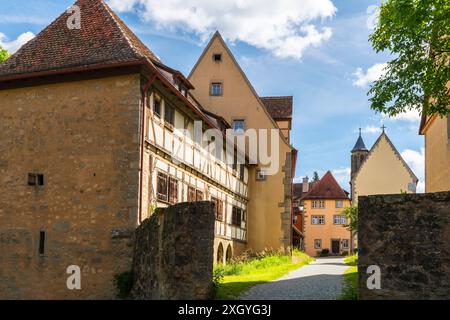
[350, 290]
[240, 276]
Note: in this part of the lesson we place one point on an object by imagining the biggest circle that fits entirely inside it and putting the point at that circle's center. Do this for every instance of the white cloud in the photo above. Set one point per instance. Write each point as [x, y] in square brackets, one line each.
[14, 45]
[409, 116]
[284, 27]
[416, 161]
[372, 74]
[370, 129]
[342, 176]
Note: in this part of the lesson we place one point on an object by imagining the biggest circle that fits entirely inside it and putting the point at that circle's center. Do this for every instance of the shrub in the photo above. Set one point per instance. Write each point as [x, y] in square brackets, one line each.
[324, 252]
[218, 275]
[344, 253]
[124, 284]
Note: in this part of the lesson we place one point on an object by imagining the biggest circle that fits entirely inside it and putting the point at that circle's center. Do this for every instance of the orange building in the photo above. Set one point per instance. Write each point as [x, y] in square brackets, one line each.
[324, 221]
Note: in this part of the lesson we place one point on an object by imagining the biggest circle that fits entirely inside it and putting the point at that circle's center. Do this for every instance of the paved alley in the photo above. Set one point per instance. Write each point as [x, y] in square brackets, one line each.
[320, 280]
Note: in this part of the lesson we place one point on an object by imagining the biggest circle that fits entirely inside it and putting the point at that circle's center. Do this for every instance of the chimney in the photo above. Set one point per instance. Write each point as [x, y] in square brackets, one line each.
[305, 184]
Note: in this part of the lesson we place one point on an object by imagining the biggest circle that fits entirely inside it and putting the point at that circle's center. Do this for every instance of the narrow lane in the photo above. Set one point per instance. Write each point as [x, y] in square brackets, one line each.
[320, 280]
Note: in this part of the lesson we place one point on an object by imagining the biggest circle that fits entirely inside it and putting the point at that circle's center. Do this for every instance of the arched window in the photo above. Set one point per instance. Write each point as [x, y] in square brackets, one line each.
[229, 253]
[220, 254]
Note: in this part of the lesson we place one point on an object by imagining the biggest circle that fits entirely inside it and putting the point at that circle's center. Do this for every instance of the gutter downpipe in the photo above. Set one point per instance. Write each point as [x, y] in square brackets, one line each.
[141, 165]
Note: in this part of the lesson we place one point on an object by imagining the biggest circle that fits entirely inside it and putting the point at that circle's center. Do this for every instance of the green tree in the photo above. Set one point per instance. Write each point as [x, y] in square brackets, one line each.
[417, 34]
[316, 176]
[3, 55]
[352, 216]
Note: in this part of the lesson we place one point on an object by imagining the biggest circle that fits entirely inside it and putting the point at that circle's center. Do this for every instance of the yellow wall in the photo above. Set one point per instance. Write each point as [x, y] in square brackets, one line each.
[326, 232]
[266, 204]
[437, 156]
[381, 173]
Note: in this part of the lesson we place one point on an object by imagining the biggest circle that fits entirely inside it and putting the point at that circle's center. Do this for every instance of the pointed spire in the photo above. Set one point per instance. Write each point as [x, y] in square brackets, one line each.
[360, 146]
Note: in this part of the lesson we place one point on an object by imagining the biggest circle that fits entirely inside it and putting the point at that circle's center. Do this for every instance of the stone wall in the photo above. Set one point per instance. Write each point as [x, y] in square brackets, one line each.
[84, 137]
[408, 237]
[173, 253]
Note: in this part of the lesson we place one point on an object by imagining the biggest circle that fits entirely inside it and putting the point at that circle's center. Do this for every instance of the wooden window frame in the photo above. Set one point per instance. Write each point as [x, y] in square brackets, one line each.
[172, 194]
[319, 218]
[192, 194]
[157, 99]
[211, 89]
[162, 195]
[169, 116]
[348, 244]
[315, 243]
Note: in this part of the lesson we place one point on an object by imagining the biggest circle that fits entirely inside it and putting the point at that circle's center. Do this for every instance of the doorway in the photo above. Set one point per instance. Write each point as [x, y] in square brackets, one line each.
[335, 246]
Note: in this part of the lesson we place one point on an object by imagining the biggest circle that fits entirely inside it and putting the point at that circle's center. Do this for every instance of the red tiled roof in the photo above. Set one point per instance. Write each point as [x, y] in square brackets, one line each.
[326, 188]
[278, 107]
[298, 189]
[103, 39]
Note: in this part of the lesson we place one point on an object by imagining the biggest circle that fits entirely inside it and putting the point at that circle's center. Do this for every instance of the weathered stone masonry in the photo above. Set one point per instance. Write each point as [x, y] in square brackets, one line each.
[83, 137]
[173, 253]
[408, 237]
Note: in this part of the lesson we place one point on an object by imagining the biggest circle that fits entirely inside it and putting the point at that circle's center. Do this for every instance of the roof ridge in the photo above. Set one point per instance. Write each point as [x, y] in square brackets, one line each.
[397, 154]
[125, 30]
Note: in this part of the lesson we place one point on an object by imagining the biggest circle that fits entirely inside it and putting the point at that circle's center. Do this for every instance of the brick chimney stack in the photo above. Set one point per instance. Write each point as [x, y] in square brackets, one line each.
[305, 184]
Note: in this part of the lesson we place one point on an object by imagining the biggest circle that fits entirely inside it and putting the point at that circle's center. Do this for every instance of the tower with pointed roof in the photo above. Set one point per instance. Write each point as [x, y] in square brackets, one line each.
[380, 170]
[359, 154]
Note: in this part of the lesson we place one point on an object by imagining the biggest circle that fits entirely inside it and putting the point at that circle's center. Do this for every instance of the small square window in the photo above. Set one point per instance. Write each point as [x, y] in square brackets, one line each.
[216, 89]
[35, 179]
[317, 244]
[239, 126]
[345, 244]
[261, 175]
[217, 57]
[339, 204]
[318, 220]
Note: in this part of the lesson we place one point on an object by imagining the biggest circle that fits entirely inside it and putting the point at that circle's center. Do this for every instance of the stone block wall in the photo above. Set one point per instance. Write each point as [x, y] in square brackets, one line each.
[83, 136]
[408, 237]
[173, 253]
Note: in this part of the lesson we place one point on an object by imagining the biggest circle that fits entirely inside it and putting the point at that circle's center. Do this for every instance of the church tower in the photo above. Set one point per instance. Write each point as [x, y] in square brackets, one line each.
[359, 154]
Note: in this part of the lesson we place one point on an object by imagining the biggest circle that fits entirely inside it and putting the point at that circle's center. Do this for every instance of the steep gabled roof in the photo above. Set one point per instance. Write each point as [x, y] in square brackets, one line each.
[279, 107]
[218, 36]
[103, 39]
[394, 149]
[327, 188]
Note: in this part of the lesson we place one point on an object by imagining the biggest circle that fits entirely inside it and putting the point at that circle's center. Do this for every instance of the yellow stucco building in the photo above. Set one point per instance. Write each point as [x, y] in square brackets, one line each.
[223, 88]
[324, 222]
[436, 130]
[382, 170]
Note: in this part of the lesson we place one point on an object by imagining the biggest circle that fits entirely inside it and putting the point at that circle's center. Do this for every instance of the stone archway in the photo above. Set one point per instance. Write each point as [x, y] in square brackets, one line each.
[220, 254]
[229, 253]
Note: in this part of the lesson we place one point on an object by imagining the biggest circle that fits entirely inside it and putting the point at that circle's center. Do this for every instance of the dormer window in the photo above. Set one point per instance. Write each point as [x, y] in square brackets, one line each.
[217, 57]
[216, 88]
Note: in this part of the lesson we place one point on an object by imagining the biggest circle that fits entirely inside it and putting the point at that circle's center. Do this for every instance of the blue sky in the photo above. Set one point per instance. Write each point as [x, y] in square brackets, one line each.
[327, 66]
